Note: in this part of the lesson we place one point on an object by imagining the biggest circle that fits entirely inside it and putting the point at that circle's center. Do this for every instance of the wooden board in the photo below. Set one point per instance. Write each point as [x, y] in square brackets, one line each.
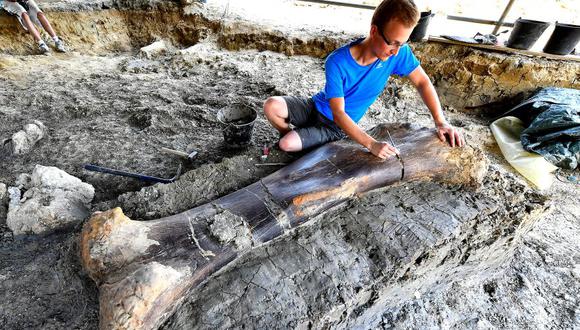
[506, 49]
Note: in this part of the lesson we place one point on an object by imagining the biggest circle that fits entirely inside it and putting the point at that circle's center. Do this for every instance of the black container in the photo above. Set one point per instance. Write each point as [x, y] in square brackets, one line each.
[563, 40]
[525, 33]
[421, 28]
[238, 124]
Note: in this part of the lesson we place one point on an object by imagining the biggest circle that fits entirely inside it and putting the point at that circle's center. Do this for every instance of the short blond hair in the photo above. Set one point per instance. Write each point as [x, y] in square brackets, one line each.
[405, 11]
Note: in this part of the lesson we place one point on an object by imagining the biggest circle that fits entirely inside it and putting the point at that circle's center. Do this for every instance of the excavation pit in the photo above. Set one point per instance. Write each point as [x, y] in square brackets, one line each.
[414, 255]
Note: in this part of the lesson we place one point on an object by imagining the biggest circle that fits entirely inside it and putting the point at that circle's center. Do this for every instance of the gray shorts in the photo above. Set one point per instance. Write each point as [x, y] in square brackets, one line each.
[23, 6]
[313, 128]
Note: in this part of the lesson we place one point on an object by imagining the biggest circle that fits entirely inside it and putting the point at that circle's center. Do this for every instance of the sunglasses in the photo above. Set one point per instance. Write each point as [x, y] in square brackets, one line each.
[394, 44]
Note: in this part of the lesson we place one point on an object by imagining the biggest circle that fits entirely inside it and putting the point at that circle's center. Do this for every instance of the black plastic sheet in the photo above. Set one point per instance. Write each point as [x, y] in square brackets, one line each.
[552, 119]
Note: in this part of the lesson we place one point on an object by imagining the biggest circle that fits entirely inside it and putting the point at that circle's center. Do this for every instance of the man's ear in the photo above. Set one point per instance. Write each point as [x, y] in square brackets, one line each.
[373, 31]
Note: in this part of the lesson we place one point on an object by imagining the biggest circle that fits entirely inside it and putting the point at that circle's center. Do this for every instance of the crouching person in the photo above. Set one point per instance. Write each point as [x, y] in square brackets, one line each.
[28, 13]
[356, 74]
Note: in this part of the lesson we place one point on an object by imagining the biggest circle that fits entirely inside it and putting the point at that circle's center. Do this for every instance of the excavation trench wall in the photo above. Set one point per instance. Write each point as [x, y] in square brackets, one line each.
[465, 78]
[103, 32]
[469, 78]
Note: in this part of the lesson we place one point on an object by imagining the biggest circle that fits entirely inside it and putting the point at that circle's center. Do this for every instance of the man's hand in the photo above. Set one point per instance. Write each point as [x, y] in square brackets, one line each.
[454, 135]
[383, 149]
[425, 88]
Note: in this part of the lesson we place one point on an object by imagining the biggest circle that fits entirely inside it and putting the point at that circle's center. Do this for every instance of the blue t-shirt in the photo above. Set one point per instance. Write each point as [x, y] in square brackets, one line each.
[359, 85]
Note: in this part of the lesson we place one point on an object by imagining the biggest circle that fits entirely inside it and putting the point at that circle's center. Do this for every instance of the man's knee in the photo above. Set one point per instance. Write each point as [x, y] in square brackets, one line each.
[290, 142]
[274, 106]
[287, 145]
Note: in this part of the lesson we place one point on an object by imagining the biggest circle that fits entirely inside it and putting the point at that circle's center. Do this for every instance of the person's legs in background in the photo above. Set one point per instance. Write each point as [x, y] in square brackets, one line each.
[18, 10]
[39, 17]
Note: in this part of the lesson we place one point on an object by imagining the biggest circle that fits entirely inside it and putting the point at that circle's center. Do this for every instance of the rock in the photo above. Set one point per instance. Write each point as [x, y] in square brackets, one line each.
[156, 49]
[24, 140]
[3, 191]
[55, 200]
[14, 195]
[202, 50]
[23, 181]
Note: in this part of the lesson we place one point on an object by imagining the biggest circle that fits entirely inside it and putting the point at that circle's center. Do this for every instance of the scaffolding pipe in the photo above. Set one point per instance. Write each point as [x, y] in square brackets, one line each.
[342, 4]
[503, 15]
[478, 20]
[451, 17]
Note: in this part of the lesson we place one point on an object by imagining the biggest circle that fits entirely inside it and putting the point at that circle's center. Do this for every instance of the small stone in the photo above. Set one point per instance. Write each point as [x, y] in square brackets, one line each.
[24, 140]
[156, 49]
[14, 195]
[3, 190]
[20, 143]
[23, 181]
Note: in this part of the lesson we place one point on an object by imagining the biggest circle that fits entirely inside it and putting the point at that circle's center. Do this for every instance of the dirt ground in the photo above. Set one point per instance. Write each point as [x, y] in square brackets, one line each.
[510, 258]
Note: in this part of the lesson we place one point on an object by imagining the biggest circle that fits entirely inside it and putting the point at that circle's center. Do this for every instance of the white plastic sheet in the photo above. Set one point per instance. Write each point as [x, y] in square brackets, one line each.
[535, 168]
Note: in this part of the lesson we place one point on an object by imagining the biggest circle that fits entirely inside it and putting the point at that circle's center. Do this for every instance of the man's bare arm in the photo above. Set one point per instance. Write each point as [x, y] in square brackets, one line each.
[425, 88]
[379, 149]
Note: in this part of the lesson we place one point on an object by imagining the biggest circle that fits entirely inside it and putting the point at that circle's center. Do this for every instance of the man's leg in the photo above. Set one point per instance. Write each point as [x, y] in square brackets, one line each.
[276, 110]
[48, 28]
[17, 10]
[45, 24]
[31, 28]
[25, 19]
[291, 142]
[313, 136]
[38, 17]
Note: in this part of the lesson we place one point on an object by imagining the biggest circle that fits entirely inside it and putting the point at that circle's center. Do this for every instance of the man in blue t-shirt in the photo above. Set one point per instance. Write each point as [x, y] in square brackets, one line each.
[356, 74]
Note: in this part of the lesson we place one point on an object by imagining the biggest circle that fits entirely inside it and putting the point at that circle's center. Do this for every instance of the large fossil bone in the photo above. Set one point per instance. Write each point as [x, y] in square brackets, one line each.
[144, 269]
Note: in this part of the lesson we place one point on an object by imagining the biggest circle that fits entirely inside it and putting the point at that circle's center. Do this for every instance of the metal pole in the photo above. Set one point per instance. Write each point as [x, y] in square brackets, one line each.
[343, 4]
[451, 17]
[477, 20]
[505, 12]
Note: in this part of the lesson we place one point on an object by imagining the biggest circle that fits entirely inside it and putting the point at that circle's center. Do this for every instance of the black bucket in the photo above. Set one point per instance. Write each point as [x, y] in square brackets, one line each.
[525, 33]
[420, 29]
[563, 40]
[238, 124]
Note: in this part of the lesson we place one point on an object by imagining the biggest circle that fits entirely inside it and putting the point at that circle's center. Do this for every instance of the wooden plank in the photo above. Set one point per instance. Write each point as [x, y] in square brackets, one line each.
[506, 49]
